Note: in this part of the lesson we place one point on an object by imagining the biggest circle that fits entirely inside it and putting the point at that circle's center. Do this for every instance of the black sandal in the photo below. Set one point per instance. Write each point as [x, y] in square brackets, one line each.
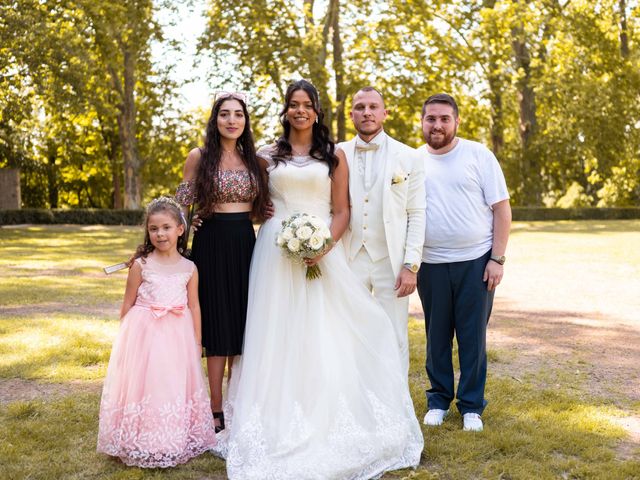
[219, 416]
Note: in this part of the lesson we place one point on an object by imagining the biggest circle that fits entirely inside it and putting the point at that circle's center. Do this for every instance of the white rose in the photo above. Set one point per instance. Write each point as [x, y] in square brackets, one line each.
[293, 245]
[304, 232]
[287, 234]
[316, 222]
[280, 240]
[325, 232]
[316, 241]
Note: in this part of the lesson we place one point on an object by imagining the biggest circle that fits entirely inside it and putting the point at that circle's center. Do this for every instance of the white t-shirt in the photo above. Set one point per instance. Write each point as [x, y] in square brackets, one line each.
[461, 185]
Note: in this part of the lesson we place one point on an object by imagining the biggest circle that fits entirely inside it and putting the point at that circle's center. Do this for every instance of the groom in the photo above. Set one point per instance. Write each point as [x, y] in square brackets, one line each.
[386, 184]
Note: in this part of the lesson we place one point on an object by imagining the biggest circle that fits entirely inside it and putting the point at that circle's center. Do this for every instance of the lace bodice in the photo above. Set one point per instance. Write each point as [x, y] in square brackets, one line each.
[300, 185]
[164, 285]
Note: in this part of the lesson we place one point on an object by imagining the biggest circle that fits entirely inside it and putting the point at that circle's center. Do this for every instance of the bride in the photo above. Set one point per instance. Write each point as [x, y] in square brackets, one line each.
[319, 391]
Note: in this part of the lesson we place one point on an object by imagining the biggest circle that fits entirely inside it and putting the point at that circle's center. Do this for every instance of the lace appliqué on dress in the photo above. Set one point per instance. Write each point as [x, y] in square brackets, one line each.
[368, 451]
[150, 437]
[295, 160]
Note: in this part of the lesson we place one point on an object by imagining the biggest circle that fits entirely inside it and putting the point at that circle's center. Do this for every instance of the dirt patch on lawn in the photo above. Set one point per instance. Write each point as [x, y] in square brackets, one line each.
[19, 390]
[47, 308]
[600, 354]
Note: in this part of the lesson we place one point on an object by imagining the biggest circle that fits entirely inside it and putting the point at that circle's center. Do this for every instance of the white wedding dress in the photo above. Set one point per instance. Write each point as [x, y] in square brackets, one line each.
[319, 391]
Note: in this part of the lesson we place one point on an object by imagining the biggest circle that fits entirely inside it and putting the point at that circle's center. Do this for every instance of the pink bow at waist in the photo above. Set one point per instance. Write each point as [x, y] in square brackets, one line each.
[159, 311]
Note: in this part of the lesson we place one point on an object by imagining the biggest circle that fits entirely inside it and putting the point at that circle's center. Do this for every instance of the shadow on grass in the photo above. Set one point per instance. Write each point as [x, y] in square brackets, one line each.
[69, 290]
[56, 348]
[57, 440]
[529, 433]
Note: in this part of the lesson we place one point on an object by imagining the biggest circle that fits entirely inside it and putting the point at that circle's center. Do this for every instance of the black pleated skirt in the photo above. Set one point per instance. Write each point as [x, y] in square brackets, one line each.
[221, 250]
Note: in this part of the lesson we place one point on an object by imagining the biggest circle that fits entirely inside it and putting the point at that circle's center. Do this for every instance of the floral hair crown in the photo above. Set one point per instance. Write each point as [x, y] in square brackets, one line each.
[162, 201]
[222, 94]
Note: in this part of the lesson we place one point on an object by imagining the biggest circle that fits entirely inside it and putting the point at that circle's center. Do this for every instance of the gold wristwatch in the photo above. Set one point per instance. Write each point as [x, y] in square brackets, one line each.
[412, 267]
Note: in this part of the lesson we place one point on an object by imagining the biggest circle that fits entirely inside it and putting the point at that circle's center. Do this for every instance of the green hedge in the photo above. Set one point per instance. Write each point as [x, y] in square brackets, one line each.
[134, 217]
[80, 216]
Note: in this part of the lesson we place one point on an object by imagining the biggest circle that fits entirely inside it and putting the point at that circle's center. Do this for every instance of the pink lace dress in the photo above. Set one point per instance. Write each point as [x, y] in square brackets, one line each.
[155, 407]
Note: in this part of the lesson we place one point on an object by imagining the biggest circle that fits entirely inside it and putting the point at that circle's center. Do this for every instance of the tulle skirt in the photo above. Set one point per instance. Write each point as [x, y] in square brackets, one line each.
[319, 392]
[155, 408]
[222, 249]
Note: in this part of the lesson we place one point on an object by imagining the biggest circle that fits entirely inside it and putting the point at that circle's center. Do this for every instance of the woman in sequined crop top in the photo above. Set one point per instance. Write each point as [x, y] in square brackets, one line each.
[229, 188]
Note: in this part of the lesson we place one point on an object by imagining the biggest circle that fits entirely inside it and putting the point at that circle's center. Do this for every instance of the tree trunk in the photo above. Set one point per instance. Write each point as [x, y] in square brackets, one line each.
[127, 132]
[338, 67]
[497, 113]
[624, 31]
[317, 54]
[529, 167]
[52, 178]
[111, 146]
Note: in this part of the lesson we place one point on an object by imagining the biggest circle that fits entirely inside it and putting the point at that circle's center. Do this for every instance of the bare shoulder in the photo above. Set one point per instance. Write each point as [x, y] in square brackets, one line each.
[191, 164]
[266, 150]
[265, 155]
[342, 159]
[194, 156]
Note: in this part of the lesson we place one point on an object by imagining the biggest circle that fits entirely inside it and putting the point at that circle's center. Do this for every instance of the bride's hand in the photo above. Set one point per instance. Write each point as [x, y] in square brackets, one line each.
[309, 262]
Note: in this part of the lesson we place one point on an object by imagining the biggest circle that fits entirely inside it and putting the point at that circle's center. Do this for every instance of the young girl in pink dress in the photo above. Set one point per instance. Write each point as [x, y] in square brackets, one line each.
[155, 407]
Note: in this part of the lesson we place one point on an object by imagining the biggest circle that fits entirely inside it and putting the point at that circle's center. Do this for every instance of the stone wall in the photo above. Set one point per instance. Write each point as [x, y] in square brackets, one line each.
[9, 189]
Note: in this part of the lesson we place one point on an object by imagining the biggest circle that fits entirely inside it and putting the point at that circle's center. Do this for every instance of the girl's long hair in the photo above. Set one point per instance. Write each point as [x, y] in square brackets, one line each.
[207, 184]
[322, 147]
[165, 205]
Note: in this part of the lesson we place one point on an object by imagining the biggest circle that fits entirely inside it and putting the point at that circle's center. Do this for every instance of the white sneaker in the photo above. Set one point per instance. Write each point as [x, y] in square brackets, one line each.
[472, 422]
[435, 417]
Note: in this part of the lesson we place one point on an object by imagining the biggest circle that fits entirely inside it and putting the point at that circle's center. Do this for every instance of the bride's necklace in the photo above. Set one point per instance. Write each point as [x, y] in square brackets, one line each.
[301, 153]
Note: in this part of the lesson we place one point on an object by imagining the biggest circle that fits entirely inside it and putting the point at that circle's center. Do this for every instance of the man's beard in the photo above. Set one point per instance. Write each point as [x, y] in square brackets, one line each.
[443, 141]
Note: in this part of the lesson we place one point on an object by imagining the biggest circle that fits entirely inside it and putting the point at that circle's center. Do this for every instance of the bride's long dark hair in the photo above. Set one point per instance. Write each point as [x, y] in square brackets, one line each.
[322, 147]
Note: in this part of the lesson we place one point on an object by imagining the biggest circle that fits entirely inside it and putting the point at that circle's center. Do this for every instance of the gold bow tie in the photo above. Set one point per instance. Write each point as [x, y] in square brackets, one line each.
[370, 147]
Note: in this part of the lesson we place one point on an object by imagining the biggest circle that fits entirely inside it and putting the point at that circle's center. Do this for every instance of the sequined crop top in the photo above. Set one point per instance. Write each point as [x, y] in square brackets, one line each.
[234, 186]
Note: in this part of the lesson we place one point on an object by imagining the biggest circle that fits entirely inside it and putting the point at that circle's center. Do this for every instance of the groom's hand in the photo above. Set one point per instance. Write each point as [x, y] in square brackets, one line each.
[406, 282]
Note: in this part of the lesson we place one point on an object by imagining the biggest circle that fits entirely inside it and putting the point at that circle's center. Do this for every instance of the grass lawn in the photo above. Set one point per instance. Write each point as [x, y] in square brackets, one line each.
[564, 359]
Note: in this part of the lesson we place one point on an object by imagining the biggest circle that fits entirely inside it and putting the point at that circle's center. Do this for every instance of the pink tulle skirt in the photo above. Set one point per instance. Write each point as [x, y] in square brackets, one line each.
[155, 408]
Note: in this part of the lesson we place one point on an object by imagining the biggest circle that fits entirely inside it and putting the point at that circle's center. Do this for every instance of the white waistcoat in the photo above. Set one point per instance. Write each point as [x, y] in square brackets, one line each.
[367, 229]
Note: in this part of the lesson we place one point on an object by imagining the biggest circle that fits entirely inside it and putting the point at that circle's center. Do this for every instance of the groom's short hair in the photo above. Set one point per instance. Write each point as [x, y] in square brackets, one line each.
[369, 88]
[443, 98]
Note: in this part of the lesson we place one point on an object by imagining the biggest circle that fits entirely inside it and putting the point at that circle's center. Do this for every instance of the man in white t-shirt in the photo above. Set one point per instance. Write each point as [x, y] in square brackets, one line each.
[468, 220]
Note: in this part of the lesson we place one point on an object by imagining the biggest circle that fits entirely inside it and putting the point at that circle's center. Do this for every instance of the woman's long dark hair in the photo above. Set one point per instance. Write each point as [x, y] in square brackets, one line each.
[322, 147]
[207, 184]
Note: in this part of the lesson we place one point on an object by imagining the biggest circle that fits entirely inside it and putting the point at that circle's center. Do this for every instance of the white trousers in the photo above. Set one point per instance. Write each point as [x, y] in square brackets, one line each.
[378, 277]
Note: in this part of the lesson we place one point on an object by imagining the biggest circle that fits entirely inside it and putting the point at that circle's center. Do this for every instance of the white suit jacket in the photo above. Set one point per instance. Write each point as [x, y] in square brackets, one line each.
[404, 203]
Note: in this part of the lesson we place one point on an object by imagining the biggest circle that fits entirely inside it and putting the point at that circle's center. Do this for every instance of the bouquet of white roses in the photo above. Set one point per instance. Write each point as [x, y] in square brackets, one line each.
[304, 236]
